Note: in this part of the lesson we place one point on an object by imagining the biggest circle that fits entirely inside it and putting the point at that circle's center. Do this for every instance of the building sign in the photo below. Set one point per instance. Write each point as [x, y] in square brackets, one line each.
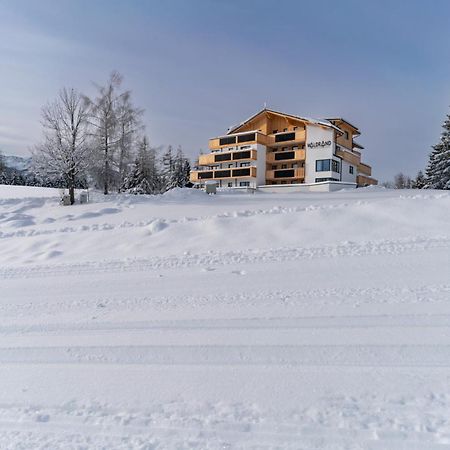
[319, 144]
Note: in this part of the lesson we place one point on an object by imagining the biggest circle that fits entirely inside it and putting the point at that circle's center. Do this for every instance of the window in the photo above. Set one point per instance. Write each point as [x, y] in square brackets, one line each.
[284, 166]
[350, 169]
[274, 167]
[274, 131]
[243, 147]
[335, 166]
[244, 183]
[323, 165]
[245, 164]
[285, 129]
[320, 180]
[346, 135]
[230, 165]
[294, 128]
[230, 184]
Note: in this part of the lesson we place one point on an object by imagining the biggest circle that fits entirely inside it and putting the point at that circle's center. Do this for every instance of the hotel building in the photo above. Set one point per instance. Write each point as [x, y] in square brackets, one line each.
[271, 149]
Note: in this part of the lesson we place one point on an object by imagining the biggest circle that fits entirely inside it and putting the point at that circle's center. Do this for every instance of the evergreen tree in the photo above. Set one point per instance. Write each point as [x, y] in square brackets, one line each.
[144, 177]
[420, 181]
[168, 169]
[438, 169]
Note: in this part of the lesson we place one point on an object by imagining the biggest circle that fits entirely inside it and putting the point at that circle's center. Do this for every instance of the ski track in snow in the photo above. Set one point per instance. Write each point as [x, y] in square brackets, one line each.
[189, 351]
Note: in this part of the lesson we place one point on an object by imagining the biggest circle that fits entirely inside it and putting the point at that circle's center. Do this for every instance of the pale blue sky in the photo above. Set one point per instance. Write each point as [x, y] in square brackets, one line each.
[200, 66]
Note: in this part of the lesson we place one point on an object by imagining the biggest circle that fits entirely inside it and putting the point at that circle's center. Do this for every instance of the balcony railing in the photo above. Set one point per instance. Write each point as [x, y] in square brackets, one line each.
[286, 137]
[348, 156]
[286, 174]
[253, 137]
[364, 169]
[219, 174]
[290, 155]
[217, 158]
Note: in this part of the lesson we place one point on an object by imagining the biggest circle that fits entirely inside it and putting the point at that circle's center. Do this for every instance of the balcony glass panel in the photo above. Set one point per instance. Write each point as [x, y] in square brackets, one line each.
[247, 137]
[284, 173]
[227, 140]
[222, 174]
[222, 157]
[284, 137]
[241, 155]
[241, 172]
[204, 175]
[284, 155]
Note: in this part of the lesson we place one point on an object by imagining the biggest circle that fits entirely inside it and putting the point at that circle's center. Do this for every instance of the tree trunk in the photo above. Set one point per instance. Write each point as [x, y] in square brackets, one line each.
[72, 193]
[105, 190]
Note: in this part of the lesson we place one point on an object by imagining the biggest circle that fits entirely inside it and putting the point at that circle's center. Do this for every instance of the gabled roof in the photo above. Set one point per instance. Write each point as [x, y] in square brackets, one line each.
[340, 119]
[321, 122]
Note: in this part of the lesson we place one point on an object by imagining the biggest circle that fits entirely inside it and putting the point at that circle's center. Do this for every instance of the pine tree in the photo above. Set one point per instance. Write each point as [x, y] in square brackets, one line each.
[168, 169]
[438, 169]
[144, 177]
[420, 181]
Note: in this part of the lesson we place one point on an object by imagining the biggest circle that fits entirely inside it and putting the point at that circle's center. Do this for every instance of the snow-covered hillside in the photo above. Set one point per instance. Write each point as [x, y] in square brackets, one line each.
[15, 162]
[288, 321]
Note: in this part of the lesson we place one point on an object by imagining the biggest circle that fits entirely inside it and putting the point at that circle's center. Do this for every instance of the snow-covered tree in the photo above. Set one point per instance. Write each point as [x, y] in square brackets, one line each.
[129, 124]
[103, 112]
[402, 181]
[64, 151]
[420, 181]
[144, 177]
[176, 169]
[438, 169]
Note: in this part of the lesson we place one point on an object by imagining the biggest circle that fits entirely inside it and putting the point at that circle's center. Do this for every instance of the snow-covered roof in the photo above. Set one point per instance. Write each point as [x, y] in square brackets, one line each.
[322, 122]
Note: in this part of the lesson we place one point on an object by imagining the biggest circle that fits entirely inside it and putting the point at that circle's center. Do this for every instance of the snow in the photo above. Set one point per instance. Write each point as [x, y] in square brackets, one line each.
[293, 321]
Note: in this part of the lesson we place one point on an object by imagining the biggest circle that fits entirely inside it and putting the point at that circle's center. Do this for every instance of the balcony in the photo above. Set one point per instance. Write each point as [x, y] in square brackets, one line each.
[364, 169]
[220, 174]
[253, 137]
[287, 137]
[362, 180]
[286, 174]
[286, 156]
[217, 158]
[348, 156]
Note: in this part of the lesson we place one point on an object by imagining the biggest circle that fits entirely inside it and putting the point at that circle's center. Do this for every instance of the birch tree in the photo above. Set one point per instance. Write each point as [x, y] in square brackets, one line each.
[64, 151]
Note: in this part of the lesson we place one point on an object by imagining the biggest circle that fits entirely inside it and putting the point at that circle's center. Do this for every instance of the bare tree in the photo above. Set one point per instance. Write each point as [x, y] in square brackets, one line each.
[402, 181]
[129, 124]
[104, 120]
[64, 151]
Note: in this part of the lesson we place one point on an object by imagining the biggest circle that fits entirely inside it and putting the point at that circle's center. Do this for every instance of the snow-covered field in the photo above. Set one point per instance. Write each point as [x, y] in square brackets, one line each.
[262, 321]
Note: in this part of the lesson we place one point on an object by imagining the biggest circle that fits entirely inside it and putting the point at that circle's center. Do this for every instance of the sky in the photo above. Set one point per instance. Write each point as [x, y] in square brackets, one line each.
[199, 66]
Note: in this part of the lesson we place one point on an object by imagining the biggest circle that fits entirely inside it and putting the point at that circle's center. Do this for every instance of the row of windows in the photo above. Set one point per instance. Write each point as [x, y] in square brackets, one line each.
[241, 183]
[289, 166]
[319, 180]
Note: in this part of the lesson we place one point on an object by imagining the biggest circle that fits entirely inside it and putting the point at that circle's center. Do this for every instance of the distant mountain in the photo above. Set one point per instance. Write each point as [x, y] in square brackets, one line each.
[17, 163]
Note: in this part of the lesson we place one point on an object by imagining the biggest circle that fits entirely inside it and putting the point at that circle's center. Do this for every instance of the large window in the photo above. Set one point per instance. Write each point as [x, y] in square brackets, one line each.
[244, 183]
[335, 166]
[323, 165]
[350, 169]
